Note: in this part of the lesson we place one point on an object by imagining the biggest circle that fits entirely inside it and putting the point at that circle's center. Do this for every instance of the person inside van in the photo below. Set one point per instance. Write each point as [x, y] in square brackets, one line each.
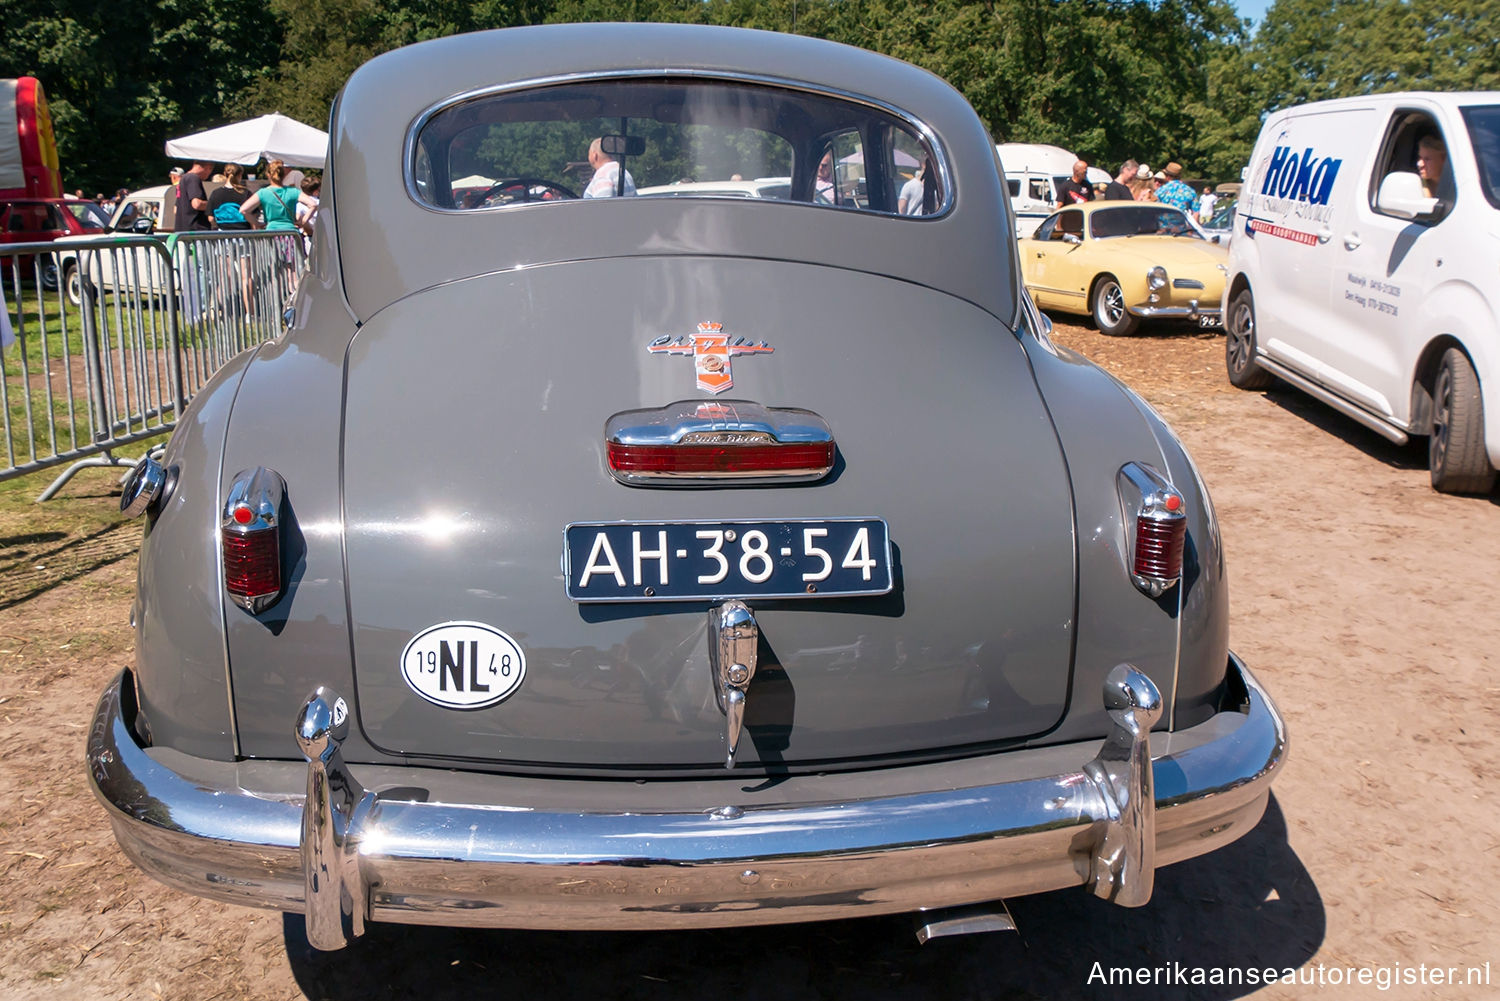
[1432, 158]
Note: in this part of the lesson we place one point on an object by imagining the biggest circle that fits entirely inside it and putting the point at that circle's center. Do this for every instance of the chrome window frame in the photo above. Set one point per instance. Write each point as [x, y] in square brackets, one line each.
[409, 146]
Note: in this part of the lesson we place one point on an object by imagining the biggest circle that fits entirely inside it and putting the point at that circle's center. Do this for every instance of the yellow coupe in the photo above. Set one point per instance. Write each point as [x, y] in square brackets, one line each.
[1123, 262]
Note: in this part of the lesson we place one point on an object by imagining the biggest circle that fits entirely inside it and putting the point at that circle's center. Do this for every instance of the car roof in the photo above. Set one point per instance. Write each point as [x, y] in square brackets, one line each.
[385, 101]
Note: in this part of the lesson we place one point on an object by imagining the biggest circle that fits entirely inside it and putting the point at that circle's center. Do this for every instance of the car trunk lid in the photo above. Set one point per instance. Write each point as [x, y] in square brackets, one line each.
[475, 434]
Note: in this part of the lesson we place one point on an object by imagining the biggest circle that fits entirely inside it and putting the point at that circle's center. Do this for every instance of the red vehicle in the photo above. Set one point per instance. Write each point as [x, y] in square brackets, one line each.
[31, 209]
[31, 220]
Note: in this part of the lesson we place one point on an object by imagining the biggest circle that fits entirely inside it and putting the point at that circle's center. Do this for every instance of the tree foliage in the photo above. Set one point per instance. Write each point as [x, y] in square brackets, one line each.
[1156, 80]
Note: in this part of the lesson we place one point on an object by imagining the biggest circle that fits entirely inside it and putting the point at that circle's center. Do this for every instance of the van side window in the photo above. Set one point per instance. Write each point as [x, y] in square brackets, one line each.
[1415, 144]
[1483, 123]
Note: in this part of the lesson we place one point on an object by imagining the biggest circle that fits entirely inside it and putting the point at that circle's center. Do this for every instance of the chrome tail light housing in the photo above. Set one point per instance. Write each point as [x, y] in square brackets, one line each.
[250, 539]
[1155, 517]
[697, 443]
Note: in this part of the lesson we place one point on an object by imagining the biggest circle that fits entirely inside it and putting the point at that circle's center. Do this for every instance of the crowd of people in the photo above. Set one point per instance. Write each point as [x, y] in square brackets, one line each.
[1136, 182]
[204, 198]
[288, 200]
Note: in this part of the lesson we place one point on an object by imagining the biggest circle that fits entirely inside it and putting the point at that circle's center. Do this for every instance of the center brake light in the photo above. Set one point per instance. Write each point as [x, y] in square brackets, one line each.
[250, 539]
[1155, 528]
[692, 443]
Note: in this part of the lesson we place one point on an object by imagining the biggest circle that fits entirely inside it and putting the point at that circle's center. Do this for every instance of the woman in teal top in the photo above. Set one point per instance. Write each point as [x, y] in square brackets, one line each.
[276, 204]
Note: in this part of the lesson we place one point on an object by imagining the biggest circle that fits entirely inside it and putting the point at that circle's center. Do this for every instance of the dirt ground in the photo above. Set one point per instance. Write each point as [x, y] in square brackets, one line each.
[1366, 602]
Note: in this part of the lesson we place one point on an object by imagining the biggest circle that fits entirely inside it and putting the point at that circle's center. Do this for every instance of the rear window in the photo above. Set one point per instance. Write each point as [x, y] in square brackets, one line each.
[688, 138]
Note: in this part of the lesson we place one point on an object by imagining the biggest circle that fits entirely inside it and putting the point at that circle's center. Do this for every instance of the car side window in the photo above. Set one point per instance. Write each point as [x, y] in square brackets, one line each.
[1046, 229]
[1415, 144]
[1069, 223]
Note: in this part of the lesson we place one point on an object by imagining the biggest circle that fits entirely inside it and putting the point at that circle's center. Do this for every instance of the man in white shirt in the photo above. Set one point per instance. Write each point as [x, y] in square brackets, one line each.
[910, 202]
[606, 180]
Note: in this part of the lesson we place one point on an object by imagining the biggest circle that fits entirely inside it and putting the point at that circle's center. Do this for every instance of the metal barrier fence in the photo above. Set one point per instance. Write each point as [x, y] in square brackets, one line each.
[104, 341]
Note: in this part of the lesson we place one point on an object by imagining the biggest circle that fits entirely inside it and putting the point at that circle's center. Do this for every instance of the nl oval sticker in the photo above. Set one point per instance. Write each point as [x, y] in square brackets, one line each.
[463, 665]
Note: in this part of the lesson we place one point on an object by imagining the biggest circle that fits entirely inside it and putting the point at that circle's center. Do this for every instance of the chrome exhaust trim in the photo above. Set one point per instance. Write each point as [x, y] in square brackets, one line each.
[971, 920]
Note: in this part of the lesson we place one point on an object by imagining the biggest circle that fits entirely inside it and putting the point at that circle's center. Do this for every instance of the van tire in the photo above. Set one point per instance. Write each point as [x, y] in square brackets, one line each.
[1239, 345]
[1455, 448]
[1108, 307]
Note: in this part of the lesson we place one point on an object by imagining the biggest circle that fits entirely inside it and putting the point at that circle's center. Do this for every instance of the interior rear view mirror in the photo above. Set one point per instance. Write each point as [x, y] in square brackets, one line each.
[622, 145]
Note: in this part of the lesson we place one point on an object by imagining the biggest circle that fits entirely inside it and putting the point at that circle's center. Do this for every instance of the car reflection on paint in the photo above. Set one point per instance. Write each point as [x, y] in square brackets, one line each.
[583, 562]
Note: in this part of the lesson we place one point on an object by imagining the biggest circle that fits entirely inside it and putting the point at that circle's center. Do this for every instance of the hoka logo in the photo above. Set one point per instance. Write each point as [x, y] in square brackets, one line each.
[1305, 178]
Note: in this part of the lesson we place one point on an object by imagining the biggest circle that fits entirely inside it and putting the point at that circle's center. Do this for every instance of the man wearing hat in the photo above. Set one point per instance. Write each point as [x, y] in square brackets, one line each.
[1177, 193]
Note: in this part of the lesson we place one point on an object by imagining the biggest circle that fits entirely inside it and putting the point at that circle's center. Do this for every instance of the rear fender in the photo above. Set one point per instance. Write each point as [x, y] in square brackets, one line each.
[1179, 640]
[182, 681]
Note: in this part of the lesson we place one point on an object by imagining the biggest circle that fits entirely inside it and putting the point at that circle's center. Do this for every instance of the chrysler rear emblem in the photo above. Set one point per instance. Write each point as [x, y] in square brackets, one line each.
[711, 349]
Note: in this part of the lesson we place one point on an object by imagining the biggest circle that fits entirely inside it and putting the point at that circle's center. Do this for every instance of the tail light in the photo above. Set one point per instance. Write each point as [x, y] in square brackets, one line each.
[1155, 528]
[250, 539]
[698, 443]
[751, 458]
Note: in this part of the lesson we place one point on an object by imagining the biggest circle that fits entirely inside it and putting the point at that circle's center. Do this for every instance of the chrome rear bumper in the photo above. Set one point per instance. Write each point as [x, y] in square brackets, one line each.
[430, 846]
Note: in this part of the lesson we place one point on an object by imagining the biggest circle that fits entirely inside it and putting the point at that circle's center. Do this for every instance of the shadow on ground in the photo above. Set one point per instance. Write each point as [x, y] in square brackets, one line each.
[1412, 455]
[36, 563]
[1251, 904]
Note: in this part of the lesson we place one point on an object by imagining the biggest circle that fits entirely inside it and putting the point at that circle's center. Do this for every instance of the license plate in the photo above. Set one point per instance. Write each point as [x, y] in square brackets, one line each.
[711, 560]
[1208, 322]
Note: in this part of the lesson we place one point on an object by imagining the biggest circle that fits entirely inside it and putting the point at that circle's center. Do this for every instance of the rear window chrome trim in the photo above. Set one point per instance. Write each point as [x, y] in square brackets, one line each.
[922, 129]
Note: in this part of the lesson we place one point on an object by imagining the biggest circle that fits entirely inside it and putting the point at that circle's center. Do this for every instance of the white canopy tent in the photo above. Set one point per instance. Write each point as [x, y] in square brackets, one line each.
[275, 137]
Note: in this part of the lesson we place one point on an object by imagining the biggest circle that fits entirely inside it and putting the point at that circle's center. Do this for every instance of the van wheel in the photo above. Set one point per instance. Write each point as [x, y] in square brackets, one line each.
[1455, 449]
[1239, 345]
[1110, 314]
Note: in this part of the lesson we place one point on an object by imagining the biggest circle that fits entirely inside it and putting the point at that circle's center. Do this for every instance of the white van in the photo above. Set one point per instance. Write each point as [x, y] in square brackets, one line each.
[1033, 171]
[1370, 286]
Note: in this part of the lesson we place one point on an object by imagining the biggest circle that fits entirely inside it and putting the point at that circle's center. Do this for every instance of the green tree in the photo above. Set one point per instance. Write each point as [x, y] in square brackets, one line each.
[1383, 45]
[118, 95]
[323, 42]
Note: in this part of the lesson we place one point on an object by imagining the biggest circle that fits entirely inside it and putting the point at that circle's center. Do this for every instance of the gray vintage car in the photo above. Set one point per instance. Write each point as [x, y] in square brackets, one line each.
[586, 559]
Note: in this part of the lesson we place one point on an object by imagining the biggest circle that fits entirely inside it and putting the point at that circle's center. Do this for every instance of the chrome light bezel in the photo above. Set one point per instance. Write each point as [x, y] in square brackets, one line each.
[142, 486]
[1145, 493]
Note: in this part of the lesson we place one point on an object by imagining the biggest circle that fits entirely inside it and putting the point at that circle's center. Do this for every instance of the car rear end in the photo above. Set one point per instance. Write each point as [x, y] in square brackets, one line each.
[670, 562]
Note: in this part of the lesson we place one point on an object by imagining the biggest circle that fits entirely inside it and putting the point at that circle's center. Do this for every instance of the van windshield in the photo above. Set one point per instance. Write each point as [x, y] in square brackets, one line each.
[1484, 134]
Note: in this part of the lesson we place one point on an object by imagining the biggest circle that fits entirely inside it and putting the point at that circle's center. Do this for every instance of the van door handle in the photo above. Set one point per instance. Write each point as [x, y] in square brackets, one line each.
[1352, 241]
